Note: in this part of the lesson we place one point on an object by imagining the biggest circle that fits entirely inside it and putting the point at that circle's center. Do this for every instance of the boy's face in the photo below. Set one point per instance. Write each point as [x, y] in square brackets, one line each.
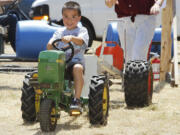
[71, 18]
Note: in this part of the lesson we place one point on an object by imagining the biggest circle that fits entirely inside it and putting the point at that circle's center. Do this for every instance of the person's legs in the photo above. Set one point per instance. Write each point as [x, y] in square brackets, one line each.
[11, 21]
[127, 33]
[144, 34]
[12, 29]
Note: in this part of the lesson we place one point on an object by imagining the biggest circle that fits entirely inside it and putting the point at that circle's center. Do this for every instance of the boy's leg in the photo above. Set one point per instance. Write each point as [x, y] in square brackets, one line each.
[78, 79]
[144, 35]
[77, 72]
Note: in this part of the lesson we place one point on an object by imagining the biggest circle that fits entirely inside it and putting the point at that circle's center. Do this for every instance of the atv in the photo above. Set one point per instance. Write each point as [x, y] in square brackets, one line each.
[136, 75]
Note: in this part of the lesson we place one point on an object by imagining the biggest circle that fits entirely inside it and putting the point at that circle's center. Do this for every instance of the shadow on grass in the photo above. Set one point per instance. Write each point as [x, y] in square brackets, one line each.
[116, 88]
[114, 104]
[9, 88]
[69, 125]
[151, 107]
[159, 87]
[26, 123]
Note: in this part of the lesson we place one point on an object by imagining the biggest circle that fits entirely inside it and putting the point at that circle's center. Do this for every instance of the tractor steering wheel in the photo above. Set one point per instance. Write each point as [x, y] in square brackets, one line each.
[70, 46]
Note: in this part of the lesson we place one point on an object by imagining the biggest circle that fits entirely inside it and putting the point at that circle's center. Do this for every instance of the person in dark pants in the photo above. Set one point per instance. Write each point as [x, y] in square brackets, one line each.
[10, 20]
[25, 5]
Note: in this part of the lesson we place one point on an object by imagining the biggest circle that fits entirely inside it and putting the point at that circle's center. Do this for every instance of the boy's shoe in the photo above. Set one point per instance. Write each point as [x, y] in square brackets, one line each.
[75, 107]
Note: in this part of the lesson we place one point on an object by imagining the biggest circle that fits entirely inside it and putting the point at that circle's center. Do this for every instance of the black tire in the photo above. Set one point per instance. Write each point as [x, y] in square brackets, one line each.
[138, 83]
[48, 121]
[99, 100]
[28, 101]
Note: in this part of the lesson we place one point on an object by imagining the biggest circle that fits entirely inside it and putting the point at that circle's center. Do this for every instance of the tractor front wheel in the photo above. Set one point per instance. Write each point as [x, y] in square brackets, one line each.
[99, 100]
[48, 119]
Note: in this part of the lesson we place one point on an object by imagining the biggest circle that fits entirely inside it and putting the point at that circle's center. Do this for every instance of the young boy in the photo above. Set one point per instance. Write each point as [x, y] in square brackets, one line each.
[78, 36]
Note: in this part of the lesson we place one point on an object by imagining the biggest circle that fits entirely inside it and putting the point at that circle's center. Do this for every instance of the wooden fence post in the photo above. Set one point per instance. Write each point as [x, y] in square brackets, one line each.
[175, 72]
[166, 42]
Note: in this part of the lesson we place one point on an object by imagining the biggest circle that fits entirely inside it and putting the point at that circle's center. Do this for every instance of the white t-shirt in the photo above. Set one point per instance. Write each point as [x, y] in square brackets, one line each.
[78, 50]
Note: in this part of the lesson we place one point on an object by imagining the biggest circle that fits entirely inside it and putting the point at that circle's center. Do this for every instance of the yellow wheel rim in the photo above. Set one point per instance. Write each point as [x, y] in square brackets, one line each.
[105, 101]
[53, 118]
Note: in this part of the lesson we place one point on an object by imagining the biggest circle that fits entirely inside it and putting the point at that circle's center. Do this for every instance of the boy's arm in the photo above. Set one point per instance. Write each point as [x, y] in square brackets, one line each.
[81, 39]
[49, 46]
[76, 40]
[56, 35]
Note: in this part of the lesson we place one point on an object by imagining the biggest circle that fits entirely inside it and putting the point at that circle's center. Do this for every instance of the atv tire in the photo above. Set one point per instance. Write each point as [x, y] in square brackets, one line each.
[138, 83]
[28, 101]
[48, 119]
[99, 100]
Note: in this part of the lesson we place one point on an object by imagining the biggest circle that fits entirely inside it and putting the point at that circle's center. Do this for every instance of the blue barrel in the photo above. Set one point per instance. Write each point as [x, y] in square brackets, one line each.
[32, 37]
[112, 33]
[156, 42]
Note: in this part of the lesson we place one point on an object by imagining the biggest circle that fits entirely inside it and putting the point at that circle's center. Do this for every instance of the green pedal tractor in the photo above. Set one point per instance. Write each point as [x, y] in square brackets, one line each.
[46, 93]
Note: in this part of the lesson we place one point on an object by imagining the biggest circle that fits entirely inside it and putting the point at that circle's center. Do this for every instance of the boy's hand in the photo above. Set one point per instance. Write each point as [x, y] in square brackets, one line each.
[67, 39]
[155, 9]
[111, 3]
[74, 39]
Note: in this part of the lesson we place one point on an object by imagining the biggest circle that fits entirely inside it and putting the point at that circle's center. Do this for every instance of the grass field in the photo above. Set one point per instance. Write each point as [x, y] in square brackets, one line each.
[160, 118]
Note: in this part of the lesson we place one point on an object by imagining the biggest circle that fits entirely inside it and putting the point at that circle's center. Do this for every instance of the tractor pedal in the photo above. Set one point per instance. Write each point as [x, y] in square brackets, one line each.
[75, 112]
[75, 107]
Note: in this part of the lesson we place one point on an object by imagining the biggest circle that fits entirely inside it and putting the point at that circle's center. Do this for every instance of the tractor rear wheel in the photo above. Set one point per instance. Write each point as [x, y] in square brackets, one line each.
[138, 83]
[48, 119]
[28, 101]
[99, 100]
